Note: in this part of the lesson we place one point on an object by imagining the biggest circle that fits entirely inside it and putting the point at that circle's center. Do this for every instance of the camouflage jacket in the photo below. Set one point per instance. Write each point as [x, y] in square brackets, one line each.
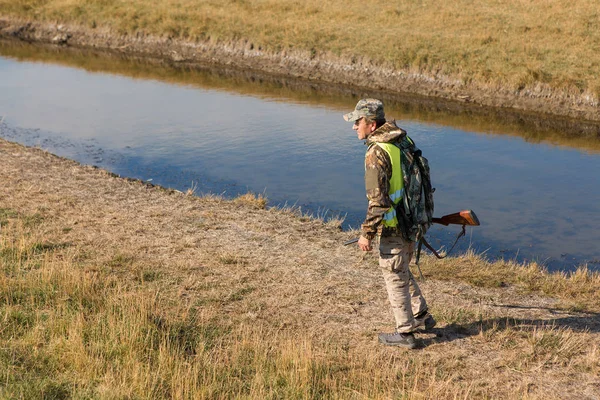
[378, 172]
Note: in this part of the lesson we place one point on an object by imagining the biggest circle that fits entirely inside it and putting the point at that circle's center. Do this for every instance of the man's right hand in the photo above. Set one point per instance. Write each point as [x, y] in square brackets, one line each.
[364, 244]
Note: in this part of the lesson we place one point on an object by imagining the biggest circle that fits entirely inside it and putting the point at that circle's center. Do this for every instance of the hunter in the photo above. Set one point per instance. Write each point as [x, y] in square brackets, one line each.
[385, 187]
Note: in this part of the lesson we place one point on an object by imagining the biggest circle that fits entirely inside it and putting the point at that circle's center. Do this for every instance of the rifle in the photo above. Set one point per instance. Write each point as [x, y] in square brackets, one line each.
[465, 217]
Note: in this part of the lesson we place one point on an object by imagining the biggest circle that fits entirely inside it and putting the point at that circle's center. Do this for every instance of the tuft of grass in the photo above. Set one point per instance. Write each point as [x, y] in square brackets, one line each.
[240, 294]
[5, 214]
[233, 260]
[147, 275]
[251, 200]
[121, 260]
[191, 191]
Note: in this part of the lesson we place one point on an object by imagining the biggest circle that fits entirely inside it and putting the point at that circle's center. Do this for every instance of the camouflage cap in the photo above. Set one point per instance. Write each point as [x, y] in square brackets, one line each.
[371, 108]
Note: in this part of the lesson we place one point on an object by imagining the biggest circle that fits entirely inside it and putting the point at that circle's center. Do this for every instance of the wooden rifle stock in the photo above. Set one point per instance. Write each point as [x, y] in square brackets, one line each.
[465, 217]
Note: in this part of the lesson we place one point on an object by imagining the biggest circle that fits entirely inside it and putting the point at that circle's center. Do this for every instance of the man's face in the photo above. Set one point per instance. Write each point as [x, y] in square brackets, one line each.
[363, 130]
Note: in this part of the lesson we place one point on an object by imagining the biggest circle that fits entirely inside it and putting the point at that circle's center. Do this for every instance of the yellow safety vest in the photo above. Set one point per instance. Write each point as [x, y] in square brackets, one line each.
[396, 183]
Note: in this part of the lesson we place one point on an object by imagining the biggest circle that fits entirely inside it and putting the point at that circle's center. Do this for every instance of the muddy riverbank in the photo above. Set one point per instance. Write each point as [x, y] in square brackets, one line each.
[577, 113]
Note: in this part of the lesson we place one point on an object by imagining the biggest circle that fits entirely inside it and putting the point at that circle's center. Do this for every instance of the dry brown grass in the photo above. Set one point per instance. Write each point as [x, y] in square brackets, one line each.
[531, 46]
[581, 288]
[251, 200]
[110, 288]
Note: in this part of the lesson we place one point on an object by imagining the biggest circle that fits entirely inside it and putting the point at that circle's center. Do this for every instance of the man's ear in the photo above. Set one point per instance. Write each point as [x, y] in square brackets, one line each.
[373, 127]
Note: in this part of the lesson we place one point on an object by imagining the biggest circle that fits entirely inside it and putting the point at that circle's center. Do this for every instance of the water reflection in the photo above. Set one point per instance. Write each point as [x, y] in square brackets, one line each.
[231, 132]
[535, 128]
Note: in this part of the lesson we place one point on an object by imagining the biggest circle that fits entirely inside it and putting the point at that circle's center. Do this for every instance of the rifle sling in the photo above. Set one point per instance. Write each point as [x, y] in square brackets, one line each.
[423, 241]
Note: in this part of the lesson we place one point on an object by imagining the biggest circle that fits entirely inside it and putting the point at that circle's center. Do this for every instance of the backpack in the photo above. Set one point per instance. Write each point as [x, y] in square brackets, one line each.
[415, 211]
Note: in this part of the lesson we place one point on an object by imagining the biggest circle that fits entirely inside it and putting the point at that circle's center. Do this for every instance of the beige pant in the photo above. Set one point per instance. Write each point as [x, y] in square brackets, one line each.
[404, 293]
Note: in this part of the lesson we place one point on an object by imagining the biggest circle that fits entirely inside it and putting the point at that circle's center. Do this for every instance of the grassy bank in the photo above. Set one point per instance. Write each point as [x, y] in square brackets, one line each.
[533, 47]
[112, 288]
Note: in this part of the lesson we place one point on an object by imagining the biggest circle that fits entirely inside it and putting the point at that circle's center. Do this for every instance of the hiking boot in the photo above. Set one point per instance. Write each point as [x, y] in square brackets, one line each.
[425, 323]
[406, 340]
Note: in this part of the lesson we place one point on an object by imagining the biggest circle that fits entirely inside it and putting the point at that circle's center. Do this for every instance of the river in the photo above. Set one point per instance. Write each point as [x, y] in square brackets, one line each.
[222, 131]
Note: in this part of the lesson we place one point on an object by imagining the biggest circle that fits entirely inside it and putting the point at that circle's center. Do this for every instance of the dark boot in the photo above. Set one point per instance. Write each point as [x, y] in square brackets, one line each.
[406, 340]
[425, 322]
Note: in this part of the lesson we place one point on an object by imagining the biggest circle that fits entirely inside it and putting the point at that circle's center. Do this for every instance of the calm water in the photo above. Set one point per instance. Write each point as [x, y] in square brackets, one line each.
[535, 199]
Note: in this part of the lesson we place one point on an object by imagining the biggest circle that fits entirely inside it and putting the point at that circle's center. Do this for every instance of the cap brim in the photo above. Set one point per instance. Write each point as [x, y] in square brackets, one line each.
[351, 117]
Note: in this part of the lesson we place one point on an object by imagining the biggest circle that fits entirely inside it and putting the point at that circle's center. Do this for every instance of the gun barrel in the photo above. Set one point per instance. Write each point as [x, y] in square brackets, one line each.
[346, 243]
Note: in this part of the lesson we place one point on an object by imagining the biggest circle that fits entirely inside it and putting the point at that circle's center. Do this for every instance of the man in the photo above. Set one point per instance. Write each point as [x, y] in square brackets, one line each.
[385, 187]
